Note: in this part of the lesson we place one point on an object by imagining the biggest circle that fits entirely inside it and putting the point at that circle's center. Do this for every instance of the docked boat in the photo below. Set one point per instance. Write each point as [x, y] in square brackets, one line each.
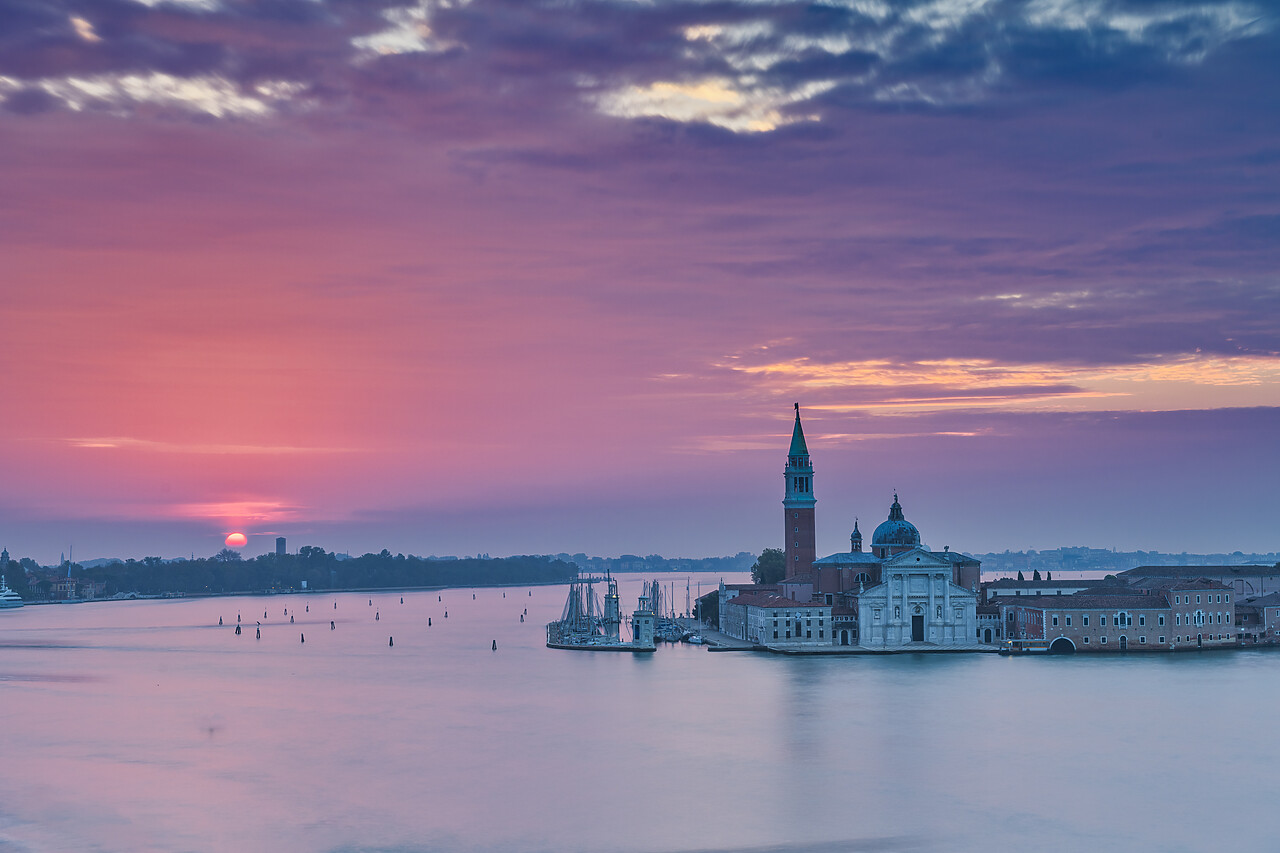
[8, 598]
[585, 626]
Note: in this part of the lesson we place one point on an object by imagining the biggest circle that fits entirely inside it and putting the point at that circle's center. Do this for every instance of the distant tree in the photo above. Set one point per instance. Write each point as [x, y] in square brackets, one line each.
[708, 608]
[1020, 577]
[770, 566]
[1048, 576]
[1035, 576]
[226, 555]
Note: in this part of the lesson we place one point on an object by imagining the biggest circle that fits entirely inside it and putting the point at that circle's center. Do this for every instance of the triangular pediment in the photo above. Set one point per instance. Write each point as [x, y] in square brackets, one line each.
[917, 558]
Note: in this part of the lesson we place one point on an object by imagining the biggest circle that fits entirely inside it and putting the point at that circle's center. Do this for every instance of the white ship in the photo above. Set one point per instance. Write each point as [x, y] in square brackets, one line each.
[8, 598]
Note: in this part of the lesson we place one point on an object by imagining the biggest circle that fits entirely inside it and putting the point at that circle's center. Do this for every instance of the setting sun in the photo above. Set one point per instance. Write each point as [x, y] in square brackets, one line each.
[236, 540]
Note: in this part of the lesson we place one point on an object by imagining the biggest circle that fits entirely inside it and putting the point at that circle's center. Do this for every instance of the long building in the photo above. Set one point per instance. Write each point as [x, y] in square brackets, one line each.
[1160, 615]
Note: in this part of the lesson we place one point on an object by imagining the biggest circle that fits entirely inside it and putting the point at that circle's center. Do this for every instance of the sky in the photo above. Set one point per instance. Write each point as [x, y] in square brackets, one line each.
[523, 277]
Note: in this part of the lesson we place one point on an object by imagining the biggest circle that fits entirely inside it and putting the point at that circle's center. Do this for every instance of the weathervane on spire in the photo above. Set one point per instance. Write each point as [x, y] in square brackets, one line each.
[797, 410]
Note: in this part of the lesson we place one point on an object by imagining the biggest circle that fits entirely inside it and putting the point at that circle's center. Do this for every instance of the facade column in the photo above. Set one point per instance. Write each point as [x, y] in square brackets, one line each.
[929, 619]
[946, 606]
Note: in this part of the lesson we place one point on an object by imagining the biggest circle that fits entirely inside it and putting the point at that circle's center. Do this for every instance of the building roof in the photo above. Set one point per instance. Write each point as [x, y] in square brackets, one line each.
[1179, 583]
[849, 558]
[1269, 600]
[798, 447]
[1154, 601]
[896, 530]
[955, 556]
[1014, 583]
[752, 587]
[769, 600]
[1197, 571]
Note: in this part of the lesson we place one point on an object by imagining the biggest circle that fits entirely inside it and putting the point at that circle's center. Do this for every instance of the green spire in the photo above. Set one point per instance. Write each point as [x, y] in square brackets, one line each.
[798, 447]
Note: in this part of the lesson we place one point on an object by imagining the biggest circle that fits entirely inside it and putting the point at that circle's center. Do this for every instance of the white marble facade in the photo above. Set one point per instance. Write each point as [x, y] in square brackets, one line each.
[916, 604]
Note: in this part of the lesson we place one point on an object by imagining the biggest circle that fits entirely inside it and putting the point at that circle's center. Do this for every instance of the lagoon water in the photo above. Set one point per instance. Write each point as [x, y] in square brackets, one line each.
[132, 726]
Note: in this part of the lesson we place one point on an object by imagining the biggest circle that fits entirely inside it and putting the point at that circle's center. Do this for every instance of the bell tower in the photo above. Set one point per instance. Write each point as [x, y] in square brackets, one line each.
[801, 539]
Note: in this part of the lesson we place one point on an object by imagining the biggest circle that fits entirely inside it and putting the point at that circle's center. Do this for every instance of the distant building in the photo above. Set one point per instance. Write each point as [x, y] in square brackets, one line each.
[280, 549]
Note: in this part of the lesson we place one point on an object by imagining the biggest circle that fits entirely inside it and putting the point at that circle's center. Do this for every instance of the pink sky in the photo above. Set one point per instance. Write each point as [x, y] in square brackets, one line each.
[491, 278]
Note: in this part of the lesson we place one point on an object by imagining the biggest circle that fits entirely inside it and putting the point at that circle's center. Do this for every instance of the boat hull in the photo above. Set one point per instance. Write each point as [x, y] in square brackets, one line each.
[620, 647]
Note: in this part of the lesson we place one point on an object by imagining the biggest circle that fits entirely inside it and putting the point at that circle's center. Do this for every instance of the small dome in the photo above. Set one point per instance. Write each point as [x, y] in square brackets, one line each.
[897, 531]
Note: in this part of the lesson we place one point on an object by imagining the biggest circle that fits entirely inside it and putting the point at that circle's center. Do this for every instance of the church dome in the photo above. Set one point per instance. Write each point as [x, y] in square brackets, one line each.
[897, 531]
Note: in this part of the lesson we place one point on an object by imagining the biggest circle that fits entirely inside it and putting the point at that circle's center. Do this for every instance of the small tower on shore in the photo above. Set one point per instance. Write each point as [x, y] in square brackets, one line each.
[798, 515]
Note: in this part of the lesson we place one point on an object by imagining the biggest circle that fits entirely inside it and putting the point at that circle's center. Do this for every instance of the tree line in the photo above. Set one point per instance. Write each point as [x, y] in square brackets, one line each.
[227, 572]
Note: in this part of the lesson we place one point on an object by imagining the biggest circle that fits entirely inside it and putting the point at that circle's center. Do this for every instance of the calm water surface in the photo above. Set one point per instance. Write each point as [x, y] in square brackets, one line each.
[145, 726]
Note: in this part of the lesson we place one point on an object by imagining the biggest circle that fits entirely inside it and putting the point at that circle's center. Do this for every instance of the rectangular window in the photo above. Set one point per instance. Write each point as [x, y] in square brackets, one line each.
[1086, 640]
[1228, 618]
[1142, 619]
[1162, 641]
[1160, 619]
[775, 633]
[1142, 640]
[1055, 621]
[1103, 640]
[808, 635]
[1177, 618]
[819, 633]
[1086, 620]
[1227, 599]
[1197, 598]
[1102, 620]
[1068, 621]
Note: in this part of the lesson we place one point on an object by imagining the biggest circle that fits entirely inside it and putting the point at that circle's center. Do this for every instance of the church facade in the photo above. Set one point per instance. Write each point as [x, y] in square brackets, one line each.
[898, 596]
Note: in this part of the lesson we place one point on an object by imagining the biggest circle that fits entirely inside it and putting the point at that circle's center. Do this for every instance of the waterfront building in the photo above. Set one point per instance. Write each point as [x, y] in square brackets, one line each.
[1258, 618]
[1163, 615]
[768, 619]
[989, 627]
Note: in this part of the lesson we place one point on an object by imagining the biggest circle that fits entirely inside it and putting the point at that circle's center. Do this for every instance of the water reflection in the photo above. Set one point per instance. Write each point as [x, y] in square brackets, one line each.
[146, 726]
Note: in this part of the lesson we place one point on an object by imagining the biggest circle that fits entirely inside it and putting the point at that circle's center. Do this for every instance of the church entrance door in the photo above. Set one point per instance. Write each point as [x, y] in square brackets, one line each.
[917, 629]
[986, 636]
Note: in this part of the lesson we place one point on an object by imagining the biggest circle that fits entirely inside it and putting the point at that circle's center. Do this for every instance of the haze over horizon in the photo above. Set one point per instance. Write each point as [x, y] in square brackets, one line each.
[522, 277]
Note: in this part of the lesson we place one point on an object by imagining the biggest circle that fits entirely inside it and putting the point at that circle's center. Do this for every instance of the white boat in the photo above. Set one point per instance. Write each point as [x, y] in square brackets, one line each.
[8, 598]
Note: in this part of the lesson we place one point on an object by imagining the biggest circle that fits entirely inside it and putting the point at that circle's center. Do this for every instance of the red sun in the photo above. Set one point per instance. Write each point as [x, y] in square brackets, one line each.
[235, 540]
